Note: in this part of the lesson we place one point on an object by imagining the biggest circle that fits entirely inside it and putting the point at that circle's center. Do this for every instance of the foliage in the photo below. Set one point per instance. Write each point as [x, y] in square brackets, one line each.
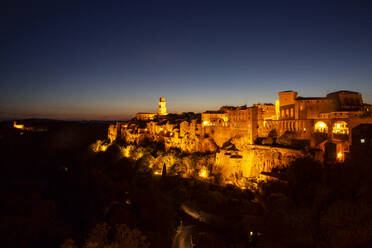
[286, 139]
[68, 243]
[122, 237]
[320, 206]
[268, 141]
[99, 146]
[273, 134]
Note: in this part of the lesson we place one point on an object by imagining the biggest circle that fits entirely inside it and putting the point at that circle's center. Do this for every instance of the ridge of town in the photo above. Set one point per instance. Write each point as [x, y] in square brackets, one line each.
[255, 139]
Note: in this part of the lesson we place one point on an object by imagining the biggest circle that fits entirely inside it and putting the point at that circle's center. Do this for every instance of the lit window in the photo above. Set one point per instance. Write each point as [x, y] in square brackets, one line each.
[340, 128]
[321, 127]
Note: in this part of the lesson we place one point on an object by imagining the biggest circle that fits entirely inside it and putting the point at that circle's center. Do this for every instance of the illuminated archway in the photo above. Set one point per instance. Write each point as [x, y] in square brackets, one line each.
[320, 127]
[340, 127]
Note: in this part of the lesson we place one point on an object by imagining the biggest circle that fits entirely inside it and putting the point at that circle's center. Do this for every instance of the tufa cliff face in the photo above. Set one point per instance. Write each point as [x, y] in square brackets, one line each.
[251, 160]
[234, 156]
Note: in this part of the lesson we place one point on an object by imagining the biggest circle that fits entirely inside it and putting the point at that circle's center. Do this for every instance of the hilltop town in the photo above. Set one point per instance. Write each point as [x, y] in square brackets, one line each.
[255, 139]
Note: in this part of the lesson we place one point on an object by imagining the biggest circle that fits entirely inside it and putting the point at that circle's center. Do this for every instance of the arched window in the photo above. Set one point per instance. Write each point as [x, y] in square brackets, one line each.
[320, 127]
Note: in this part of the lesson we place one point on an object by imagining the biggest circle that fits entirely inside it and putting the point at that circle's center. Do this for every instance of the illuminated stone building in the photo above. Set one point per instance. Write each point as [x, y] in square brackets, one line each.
[236, 134]
[162, 111]
[146, 116]
[322, 122]
[238, 123]
[334, 116]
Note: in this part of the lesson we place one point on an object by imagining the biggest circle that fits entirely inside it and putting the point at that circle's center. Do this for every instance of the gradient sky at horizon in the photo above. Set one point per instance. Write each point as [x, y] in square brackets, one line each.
[107, 60]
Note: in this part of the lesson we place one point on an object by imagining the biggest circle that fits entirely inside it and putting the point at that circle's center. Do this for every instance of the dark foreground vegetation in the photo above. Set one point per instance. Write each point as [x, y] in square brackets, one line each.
[58, 193]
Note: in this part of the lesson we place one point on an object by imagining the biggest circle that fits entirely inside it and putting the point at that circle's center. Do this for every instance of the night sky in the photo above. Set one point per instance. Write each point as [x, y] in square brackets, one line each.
[107, 60]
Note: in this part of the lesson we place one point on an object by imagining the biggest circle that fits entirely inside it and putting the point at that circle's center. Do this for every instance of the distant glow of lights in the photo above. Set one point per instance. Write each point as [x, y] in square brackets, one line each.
[362, 141]
[19, 126]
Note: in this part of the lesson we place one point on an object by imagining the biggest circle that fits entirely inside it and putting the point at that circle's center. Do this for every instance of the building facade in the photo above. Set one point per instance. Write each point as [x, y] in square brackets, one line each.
[321, 121]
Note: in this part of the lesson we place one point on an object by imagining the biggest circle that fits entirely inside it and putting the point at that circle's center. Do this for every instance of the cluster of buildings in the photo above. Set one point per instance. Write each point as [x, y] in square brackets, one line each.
[162, 111]
[323, 123]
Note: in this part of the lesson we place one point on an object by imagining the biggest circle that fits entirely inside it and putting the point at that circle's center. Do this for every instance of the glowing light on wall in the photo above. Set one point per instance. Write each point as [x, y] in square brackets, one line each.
[340, 156]
[321, 127]
[206, 123]
[203, 173]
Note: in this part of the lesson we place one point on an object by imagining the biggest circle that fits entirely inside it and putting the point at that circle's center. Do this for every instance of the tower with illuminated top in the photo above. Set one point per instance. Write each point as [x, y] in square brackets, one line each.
[162, 109]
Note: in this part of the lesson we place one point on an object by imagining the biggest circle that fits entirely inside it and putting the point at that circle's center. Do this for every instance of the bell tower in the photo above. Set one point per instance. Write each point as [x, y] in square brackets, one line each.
[162, 109]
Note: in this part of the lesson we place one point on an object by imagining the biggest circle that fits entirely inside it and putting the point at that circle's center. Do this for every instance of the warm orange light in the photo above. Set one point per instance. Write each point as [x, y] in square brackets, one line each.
[126, 152]
[340, 128]
[321, 124]
[18, 126]
[340, 156]
[321, 127]
[103, 148]
[206, 123]
[99, 146]
[203, 173]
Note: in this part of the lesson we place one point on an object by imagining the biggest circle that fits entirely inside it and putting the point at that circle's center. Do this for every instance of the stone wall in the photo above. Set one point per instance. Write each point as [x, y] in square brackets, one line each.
[254, 159]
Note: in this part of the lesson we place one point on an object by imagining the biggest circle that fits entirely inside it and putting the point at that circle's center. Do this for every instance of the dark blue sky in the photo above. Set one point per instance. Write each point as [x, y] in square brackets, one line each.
[111, 59]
